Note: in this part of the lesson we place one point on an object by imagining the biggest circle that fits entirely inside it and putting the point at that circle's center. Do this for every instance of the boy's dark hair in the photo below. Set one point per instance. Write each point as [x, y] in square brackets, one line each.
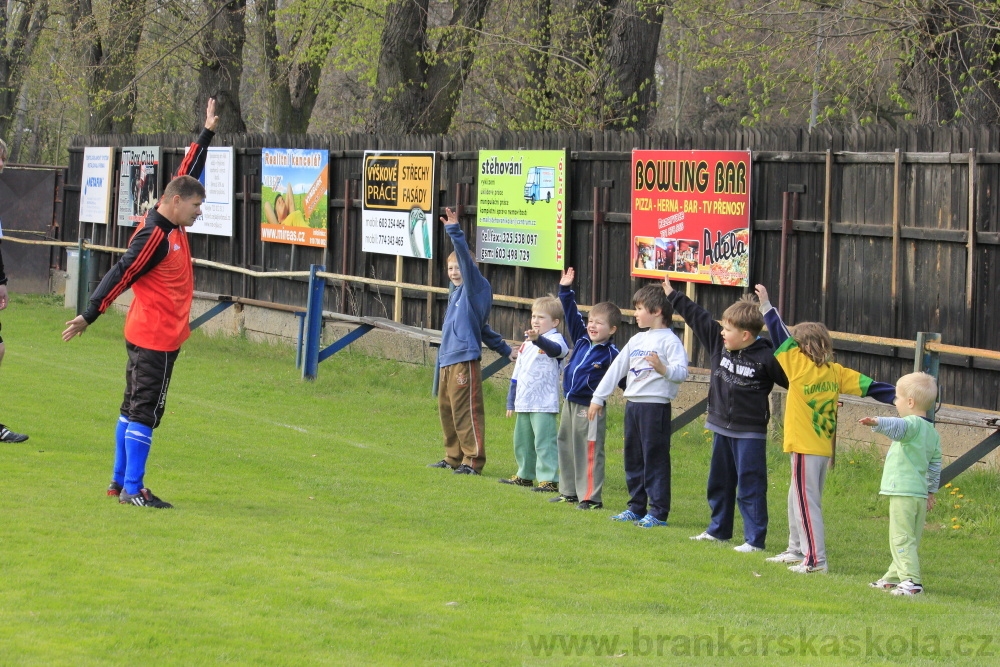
[653, 299]
[609, 311]
[185, 186]
[745, 315]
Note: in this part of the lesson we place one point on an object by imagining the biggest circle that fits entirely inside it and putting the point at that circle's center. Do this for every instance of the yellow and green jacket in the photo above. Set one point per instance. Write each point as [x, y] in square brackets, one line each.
[813, 392]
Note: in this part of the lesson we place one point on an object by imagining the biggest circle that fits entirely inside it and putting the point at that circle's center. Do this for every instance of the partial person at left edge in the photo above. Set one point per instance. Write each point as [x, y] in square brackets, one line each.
[157, 266]
[6, 435]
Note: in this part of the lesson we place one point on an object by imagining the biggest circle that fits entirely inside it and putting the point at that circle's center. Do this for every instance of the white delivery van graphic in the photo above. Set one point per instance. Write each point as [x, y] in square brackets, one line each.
[541, 184]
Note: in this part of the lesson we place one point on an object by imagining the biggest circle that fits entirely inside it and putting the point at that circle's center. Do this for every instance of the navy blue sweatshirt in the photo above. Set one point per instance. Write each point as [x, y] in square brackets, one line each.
[588, 363]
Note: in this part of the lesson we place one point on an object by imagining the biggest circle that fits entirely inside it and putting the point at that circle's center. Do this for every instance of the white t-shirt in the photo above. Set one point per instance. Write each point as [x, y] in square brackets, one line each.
[537, 376]
[644, 384]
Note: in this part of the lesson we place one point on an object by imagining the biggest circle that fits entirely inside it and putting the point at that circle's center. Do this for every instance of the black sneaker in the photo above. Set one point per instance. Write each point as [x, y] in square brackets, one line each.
[590, 505]
[564, 499]
[114, 489]
[6, 435]
[547, 487]
[465, 470]
[144, 498]
[441, 464]
[517, 481]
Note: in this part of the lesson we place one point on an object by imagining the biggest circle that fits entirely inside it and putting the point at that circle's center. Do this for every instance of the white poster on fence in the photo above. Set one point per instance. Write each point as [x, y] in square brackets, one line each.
[95, 191]
[218, 208]
[397, 210]
[138, 186]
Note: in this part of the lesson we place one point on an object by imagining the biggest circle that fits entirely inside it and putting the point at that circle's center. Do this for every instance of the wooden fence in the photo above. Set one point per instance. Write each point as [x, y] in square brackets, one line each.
[895, 233]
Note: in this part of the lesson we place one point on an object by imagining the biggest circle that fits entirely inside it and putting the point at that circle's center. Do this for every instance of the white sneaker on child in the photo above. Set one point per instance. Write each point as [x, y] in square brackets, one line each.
[786, 557]
[747, 548]
[908, 588]
[705, 537]
[802, 568]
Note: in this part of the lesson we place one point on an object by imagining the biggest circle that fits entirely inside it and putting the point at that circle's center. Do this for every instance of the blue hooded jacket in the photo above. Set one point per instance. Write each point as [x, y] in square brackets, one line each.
[465, 327]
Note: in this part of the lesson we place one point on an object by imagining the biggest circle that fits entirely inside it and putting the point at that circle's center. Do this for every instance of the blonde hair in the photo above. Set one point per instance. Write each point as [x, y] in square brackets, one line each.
[549, 305]
[921, 387]
[452, 258]
[814, 341]
[745, 315]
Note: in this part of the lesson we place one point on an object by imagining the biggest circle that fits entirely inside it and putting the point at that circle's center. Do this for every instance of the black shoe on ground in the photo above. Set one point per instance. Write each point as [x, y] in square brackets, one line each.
[441, 464]
[516, 481]
[564, 499]
[144, 498]
[590, 505]
[6, 435]
[465, 470]
[547, 487]
[114, 489]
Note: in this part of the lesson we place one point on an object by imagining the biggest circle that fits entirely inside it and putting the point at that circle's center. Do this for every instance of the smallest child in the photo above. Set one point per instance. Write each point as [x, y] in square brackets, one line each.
[910, 478]
[534, 397]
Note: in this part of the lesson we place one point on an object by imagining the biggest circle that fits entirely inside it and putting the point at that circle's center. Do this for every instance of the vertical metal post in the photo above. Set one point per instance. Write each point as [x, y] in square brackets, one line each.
[83, 278]
[827, 238]
[894, 264]
[594, 248]
[928, 361]
[301, 317]
[970, 278]
[786, 228]
[313, 323]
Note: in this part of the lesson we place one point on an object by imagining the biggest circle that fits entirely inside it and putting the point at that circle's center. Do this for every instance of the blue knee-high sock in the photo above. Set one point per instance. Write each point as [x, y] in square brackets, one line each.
[138, 439]
[118, 476]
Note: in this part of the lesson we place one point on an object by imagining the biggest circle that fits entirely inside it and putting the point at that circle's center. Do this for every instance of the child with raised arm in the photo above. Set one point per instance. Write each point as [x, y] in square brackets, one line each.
[910, 478]
[744, 371]
[465, 329]
[581, 441]
[815, 383]
[534, 398]
[656, 364]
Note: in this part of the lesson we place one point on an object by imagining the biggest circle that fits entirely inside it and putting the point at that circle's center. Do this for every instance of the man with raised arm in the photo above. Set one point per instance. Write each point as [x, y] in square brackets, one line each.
[157, 266]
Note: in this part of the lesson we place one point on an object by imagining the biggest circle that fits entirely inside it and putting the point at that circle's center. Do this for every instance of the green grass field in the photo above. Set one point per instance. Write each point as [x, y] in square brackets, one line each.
[308, 530]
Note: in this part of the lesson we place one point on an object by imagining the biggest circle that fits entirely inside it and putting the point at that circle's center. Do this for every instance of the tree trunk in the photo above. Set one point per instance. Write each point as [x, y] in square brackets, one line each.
[412, 93]
[19, 40]
[402, 70]
[291, 90]
[629, 63]
[110, 64]
[222, 65]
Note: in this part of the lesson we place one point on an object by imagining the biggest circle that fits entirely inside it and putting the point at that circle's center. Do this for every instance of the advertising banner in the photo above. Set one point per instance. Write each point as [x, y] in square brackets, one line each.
[397, 214]
[95, 195]
[219, 206]
[293, 196]
[138, 183]
[691, 216]
[521, 208]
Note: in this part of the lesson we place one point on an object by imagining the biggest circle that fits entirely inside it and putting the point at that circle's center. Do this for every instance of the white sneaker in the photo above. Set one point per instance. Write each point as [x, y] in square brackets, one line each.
[802, 568]
[747, 548]
[907, 588]
[705, 537]
[786, 557]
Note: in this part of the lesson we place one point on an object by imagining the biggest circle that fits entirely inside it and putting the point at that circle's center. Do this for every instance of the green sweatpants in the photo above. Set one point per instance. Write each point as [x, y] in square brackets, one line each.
[535, 446]
[906, 525]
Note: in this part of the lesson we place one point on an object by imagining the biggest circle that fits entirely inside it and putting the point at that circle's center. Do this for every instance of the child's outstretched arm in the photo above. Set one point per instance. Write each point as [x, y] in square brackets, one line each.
[574, 320]
[707, 330]
[471, 277]
[616, 371]
[775, 325]
[495, 342]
